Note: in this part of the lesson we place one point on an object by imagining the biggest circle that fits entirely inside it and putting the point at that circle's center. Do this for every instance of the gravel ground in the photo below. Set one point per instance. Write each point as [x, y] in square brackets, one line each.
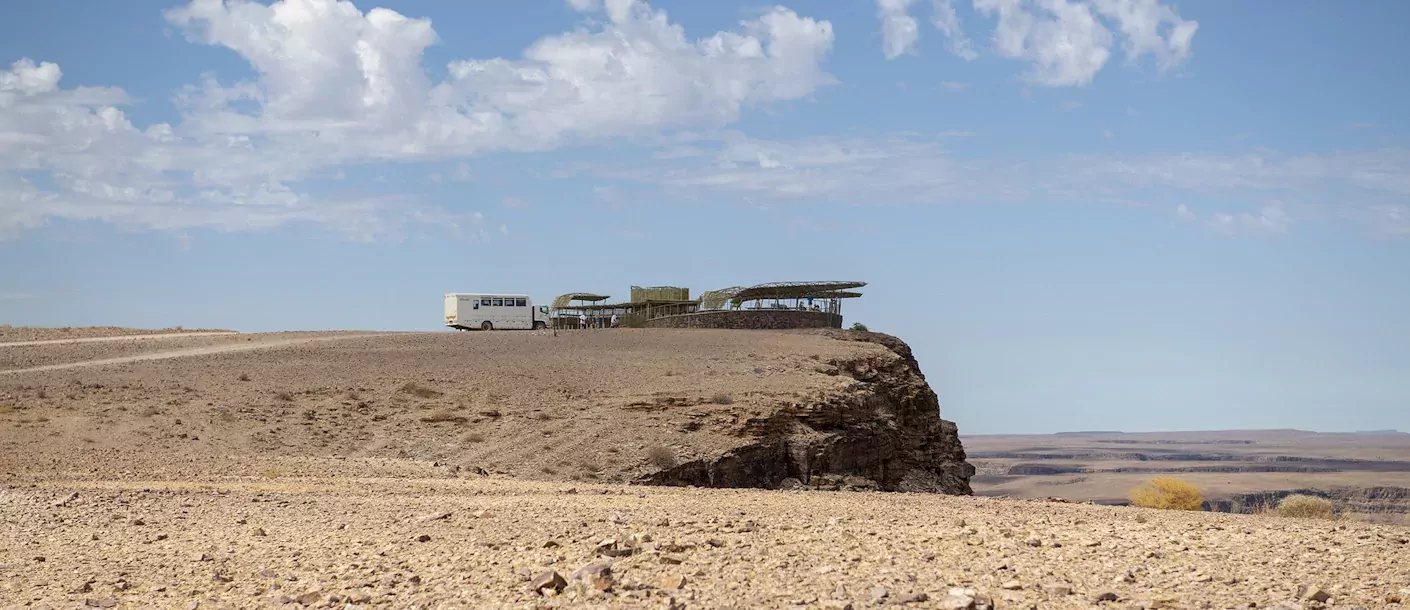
[480, 542]
[483, 470]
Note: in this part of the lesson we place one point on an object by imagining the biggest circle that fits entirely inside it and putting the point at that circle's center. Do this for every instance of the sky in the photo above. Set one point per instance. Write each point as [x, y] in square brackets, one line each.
[1081, 214]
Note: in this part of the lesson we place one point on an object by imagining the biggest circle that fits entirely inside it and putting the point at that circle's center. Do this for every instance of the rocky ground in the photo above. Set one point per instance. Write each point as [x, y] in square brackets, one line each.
[482, 542]
[483, 470]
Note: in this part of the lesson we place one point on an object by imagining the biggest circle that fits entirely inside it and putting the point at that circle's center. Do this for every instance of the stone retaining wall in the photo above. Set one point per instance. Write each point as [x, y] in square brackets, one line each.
[746, 319]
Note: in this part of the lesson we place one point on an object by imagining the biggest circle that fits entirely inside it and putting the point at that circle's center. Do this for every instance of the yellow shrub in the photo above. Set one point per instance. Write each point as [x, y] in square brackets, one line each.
[1306, 507]
[1167, 493]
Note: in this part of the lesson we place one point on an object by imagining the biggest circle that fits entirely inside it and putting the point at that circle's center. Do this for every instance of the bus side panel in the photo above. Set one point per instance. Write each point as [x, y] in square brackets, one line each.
[472, 314]
[513, 318]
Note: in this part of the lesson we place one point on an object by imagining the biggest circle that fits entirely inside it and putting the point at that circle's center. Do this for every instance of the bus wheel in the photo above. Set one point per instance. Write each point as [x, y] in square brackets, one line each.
[540, 325]
[486, 326]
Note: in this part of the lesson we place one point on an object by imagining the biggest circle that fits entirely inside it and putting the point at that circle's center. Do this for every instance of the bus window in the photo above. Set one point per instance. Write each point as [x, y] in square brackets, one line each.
[485, 301]
[498, 302]
[521, 302]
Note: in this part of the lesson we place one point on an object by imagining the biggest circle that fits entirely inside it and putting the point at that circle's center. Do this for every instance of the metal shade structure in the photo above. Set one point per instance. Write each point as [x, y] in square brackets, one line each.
[591, 310]
[835, 294]
[716, 299]
[797, 290]
[565, 301]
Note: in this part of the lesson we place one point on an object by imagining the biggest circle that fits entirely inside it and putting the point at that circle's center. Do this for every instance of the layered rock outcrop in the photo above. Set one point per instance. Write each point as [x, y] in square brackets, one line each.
[883, 431]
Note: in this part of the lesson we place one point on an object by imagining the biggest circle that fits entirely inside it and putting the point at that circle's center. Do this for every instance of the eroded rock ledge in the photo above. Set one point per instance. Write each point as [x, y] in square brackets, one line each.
[883, 431]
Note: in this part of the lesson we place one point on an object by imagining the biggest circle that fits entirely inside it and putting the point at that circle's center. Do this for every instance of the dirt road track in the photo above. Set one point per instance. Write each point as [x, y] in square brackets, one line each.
[182, 353]
[117, 338]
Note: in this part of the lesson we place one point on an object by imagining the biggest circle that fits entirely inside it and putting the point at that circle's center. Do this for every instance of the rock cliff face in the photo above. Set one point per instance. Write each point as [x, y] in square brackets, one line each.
[1386, 500]
[883, 431]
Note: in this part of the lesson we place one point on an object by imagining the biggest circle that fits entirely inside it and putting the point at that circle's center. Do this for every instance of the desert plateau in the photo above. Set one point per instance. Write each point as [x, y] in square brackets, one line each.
[631, 468]
[1366, 473]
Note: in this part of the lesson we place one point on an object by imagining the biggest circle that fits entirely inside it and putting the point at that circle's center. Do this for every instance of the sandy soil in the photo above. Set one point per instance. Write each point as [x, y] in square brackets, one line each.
[399, 471]
[11, 334]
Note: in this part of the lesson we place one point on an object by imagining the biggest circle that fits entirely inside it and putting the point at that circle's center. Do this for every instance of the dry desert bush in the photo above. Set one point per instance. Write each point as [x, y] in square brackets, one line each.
[1303, 506]
[1168, 493]
[661, 457]
[420, 391]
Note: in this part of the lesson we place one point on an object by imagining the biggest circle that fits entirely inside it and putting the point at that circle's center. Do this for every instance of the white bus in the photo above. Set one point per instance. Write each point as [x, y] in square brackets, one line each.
[465, 311]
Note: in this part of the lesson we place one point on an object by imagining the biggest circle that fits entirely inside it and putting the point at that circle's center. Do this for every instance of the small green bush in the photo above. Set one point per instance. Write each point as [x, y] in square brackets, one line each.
[861, 327]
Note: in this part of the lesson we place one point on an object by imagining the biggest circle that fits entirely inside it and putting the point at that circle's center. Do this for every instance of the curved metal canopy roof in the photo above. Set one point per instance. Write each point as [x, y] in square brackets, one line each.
[798, 290]
[566, 300]
[715, 299]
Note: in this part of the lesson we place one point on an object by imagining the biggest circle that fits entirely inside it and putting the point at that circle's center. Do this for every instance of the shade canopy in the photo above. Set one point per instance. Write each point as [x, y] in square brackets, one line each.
[798, 290]
[563, 301]
[716, 299]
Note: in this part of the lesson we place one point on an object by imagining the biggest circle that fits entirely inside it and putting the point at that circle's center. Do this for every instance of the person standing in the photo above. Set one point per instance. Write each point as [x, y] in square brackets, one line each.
[614, 320]
[582, 320]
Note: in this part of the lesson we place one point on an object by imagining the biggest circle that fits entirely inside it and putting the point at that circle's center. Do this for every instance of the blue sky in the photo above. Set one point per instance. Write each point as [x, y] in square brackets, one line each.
[1082, 214]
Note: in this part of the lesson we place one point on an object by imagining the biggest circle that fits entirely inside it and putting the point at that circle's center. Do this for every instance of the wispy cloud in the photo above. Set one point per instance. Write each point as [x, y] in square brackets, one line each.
[20, 296]
[1272, 217]
[919, 169]
[945, 19]
[954, 85]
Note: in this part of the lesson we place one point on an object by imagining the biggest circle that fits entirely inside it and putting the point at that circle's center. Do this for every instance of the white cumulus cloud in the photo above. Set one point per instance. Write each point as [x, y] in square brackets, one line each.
[899, 30]
[337, 86]
[1150, 28]
[1067, 42]
[1064, 40]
